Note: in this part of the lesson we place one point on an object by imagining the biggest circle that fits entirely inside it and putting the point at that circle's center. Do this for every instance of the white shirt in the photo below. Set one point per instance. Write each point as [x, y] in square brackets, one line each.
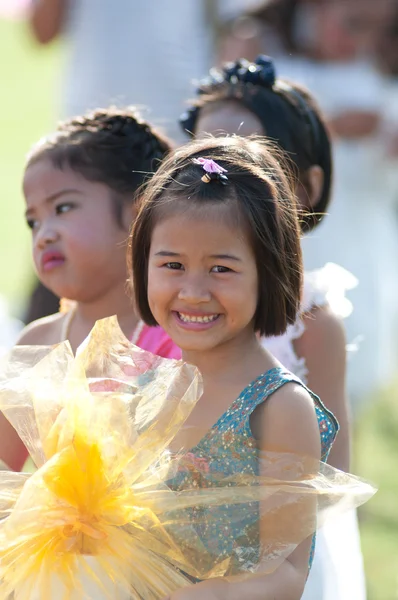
[145, 53]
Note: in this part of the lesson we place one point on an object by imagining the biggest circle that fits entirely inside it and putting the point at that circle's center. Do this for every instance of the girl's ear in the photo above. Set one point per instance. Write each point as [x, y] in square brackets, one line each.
[314, 179]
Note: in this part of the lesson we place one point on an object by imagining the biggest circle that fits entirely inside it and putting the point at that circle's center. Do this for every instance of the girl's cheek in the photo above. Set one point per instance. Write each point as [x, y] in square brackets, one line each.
[157, 288]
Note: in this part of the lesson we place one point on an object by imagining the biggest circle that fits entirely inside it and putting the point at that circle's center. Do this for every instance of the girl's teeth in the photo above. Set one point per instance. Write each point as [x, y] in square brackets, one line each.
[189, 319]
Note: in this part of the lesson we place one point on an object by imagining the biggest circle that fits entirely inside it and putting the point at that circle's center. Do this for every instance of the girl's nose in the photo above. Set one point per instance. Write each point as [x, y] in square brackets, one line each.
[45, 236]
[194, 291]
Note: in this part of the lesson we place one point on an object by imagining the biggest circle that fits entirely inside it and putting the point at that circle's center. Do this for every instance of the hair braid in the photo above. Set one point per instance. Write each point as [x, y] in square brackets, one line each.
[112, 146]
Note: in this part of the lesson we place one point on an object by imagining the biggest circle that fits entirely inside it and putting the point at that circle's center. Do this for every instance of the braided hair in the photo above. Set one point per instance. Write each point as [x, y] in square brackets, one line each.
[110, 146]
[287, 112]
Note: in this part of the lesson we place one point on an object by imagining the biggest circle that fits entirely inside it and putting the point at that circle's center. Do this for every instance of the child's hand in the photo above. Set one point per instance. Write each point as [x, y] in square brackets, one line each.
[212, 589]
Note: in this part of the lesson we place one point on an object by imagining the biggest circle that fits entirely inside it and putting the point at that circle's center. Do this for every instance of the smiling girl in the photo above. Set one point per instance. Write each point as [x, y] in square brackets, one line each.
[216, 260]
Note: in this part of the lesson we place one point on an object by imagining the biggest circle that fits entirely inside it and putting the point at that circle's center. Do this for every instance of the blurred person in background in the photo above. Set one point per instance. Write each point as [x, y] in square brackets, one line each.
[9, 328]
[330, 46]
[387, 56]
[387, 44]
[125, 52]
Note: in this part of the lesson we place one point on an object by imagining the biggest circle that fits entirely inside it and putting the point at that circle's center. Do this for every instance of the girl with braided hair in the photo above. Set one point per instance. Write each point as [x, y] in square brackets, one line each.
[248, 99]
[79, 186]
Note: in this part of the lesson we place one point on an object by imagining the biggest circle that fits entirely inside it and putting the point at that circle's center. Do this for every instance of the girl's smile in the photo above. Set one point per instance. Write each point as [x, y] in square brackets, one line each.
[202, 278]
[196, 322]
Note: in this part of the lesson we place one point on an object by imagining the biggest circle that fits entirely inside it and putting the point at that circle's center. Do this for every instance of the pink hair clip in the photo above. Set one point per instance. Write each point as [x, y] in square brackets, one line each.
[213, 171]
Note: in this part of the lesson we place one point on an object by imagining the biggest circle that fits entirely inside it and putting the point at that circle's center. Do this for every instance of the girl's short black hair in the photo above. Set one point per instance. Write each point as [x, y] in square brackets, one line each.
[259, 197]
[287, 112]
[111, 146]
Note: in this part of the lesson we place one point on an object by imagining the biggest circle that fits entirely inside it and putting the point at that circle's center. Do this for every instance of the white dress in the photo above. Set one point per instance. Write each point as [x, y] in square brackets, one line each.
[360, 233]
[337, 572]
[142, 53]
[9, 328]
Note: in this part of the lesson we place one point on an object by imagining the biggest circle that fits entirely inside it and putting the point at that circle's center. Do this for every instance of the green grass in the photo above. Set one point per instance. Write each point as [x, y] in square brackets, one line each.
[376, 449]
[30, 76]
[27, 111]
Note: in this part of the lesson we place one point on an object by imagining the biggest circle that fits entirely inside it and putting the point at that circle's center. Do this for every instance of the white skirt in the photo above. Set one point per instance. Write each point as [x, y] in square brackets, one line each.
[337, 572]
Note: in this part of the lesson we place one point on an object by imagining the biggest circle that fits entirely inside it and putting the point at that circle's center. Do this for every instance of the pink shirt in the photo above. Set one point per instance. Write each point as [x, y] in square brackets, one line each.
[156, 340]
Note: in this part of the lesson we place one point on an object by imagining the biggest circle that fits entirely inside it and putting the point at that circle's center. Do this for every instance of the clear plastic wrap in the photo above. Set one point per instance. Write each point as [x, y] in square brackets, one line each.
[122, 505]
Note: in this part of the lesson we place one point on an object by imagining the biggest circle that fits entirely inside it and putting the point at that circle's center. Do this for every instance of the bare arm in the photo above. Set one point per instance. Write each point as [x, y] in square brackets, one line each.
[288, 423]
[12, 451]
[46, 19]
[323, 346]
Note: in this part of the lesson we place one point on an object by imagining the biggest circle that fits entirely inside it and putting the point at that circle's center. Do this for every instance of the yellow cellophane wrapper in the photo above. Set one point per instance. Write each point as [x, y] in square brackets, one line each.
[120, 482]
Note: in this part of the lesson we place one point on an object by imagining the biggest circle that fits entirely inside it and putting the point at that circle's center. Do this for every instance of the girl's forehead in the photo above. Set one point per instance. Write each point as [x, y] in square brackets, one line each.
[205, 227]
[43, 173]
[43, 179]
[190, 210]
[228, 117]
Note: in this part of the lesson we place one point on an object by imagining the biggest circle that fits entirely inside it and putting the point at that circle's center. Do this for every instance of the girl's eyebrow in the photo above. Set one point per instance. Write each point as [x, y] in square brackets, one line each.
[212, 256]
[226, 257]
[55, 197]
[166, 253]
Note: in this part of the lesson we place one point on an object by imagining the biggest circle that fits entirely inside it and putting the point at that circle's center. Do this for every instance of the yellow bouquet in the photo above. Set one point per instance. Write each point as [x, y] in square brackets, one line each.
[115, 510]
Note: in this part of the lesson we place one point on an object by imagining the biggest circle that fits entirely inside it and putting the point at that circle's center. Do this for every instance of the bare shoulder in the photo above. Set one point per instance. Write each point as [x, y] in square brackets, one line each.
[287, 422]
[323, 347]
[323, 329]
[46, 331]
[291, 403]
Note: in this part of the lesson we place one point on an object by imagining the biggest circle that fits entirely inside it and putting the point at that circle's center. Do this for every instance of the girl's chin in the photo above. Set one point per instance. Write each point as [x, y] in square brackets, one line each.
[192, 342]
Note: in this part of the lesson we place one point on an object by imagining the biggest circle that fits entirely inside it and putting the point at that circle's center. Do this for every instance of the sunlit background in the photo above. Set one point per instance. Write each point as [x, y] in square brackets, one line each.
[30, 104]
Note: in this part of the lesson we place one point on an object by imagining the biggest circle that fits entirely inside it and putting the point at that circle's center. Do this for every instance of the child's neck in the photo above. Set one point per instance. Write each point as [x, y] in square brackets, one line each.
[114, 302]
[239, 360]
[226, 370]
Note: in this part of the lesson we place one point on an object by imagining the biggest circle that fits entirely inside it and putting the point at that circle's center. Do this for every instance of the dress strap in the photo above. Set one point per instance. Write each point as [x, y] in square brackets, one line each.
[268, 384]
[257, 392]
[237, 418]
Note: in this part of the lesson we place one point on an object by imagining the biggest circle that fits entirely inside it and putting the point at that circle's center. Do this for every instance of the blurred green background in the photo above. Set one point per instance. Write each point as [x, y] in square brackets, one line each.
[27, 111]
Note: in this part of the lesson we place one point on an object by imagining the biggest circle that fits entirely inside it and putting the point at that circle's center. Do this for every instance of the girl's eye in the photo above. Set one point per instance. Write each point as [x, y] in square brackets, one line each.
[220, 269]
[175, 266]
[31, 223]
[63, 208]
